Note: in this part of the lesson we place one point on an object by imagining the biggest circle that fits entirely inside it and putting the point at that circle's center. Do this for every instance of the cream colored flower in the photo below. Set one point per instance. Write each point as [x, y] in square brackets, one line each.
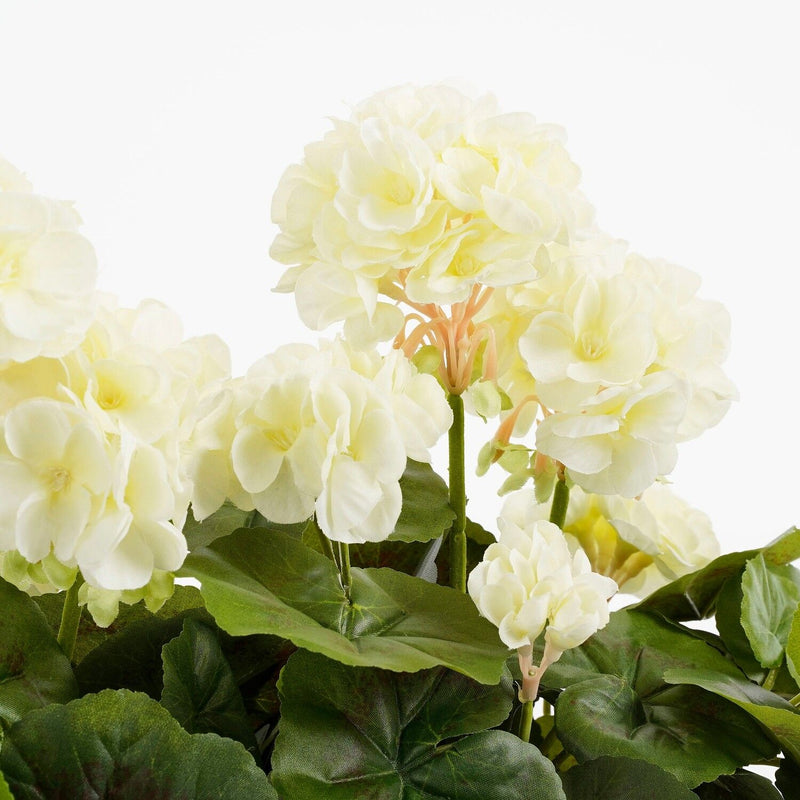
[47, 277]
[599, 339]
[422, 195]
[529, 582]
[55, 469]
[620, 440]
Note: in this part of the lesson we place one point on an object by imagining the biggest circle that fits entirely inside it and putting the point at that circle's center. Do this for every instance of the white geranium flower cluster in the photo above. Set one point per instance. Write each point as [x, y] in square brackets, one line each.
[621, 356]
[322, 432]
[640, 543]
[92, 457]
[529, 582]
[424, 196]
[47, 272]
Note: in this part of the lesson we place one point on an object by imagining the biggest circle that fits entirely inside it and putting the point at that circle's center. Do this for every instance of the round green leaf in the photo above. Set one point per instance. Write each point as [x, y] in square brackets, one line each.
[793, 647]
[784, 549]
[780, 718]
[123, 745]
[226, 519]
[692, 734]
[622, 779]
[694, 596]
[33, 669]
[349, 732]
[127, 654]
[743, 785]
[638, 647]
[787, 778]
[261, 581]
[729, 625]
[199, 687]
[771, 595]
[426, 511]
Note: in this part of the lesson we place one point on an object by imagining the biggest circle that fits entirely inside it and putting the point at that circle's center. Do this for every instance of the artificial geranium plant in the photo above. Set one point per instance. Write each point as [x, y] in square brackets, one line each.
[354, 633]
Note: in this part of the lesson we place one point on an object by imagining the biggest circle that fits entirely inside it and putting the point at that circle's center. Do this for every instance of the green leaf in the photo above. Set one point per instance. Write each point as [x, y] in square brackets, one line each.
[33, 669]
[638, 647]
[694, 596]
[692, 734]
[618, 704]
[773, 712]
[123, 745]
[622, 779]
[5, 792]
[426, 511]
[793, 647]
[787, 778]
[743, 785]
[350, 732]
[771, 595]
[729, 625]
[785, 548]
[223, 521]
[260, 581]
[479, 534]
[91, 636]
[128, 655]
[199, 688]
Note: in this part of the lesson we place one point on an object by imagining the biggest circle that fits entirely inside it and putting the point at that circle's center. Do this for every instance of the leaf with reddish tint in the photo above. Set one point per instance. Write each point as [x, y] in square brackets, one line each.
[126, 746]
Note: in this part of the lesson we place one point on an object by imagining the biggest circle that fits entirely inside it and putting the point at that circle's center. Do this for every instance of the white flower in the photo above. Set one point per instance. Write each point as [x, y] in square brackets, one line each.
[599, 339]
[693, 338]
[422, 195]
[55, 470]
[684, 537]
[322, 431]
[620, 440]
[134, 536]
[11, 179]
[277, 450]
[47, 277]
[529, 582]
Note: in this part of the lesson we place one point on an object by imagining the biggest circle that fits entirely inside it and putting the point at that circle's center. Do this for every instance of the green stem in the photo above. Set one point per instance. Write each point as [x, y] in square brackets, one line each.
[344, 568]
[458, 496]
[795, 701]
[769, 681]
[324, 541]
[558, 511]
[70, 619]
[526, 721]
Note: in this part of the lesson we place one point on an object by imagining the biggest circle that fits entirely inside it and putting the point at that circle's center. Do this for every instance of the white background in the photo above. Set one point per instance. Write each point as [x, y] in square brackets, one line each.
[169, 124]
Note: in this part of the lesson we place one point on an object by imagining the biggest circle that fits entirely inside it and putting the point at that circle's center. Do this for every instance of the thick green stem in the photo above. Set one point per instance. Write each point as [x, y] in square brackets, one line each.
[458, 496]
[558, 511]
[70, 619]
[526, 721]
[795, 701]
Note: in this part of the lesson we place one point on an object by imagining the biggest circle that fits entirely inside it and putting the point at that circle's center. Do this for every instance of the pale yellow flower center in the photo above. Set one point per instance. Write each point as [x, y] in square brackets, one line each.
[109, 398]
[398, 189]
[466, 265]
[10, 252]
[282, 438]
[592, 345]
[58, 479]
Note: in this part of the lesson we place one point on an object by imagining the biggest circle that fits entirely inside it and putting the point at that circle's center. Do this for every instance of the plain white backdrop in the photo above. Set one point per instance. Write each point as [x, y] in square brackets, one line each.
[169, 124]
